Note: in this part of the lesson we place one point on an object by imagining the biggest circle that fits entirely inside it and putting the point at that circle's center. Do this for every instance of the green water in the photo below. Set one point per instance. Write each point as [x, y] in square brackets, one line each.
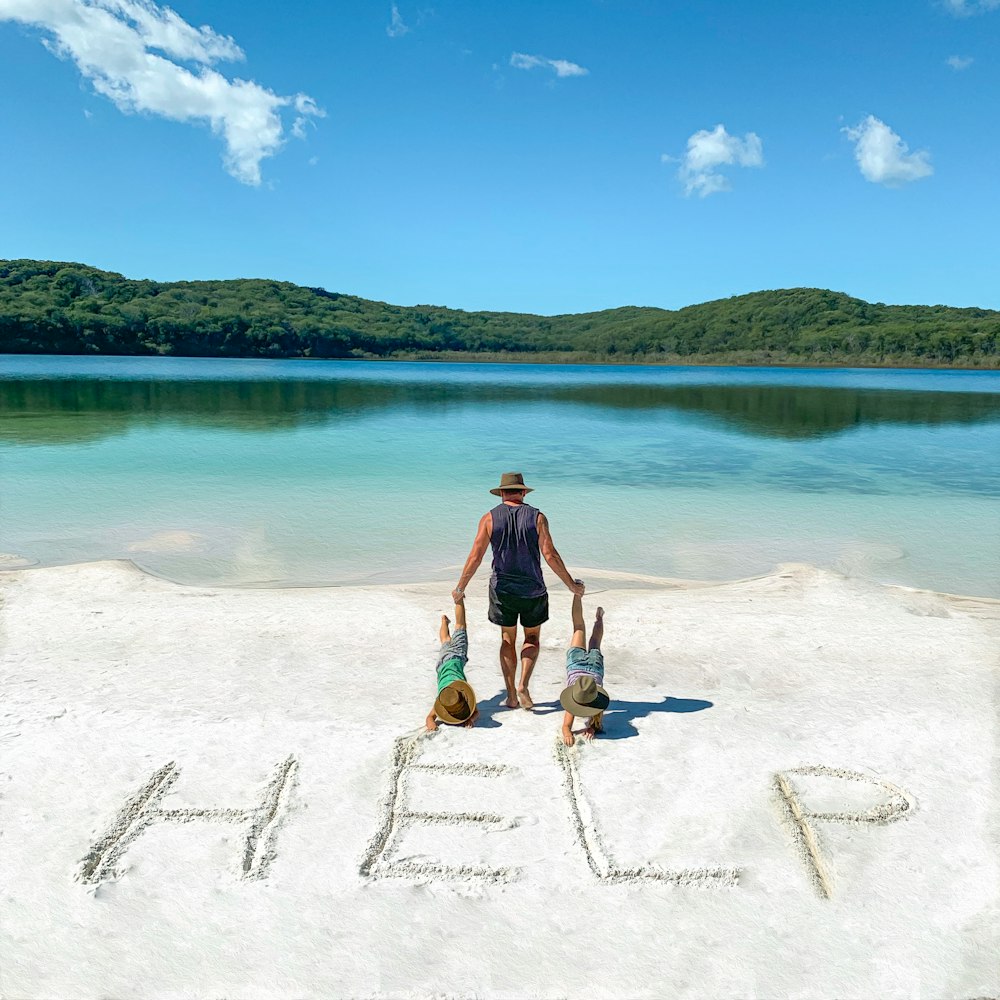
[251, 472]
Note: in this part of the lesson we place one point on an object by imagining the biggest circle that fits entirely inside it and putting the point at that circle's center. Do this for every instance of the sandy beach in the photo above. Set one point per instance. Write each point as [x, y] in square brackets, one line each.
[225, 793]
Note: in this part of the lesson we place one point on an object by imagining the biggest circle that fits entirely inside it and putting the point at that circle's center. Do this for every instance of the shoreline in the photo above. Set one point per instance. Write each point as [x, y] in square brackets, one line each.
[631, 581]
[553, 358]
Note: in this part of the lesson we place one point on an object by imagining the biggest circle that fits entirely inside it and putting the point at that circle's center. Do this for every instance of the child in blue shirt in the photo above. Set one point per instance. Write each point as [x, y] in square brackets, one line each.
[584, 695]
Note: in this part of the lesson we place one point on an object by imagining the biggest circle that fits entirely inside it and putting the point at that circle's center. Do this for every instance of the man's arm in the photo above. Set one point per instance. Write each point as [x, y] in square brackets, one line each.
[579, 638]
[479, 547]
[553, 558]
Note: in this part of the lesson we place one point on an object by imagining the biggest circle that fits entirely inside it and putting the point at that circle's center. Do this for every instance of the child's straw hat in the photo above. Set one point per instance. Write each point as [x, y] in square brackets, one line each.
[456, 703]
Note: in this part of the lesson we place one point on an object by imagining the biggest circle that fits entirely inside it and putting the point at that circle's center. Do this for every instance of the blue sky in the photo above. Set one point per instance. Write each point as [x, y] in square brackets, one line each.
[539, 157]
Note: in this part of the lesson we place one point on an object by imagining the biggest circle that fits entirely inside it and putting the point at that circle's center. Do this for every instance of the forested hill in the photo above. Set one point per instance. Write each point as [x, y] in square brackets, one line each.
[57, 308]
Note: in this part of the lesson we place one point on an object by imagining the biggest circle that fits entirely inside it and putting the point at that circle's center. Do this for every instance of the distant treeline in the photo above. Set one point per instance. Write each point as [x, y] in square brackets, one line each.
[57, 308]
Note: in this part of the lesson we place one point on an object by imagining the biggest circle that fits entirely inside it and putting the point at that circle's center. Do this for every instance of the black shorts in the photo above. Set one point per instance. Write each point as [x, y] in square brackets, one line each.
[505, 609]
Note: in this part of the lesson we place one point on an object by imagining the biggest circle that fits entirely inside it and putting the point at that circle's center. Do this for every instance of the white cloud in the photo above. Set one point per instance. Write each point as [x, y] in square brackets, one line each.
[561, 67]
[396, 28]
[126, 49]
[958, 63]
[883, 157]
[965, 8]
[307, 109]
[707, 151]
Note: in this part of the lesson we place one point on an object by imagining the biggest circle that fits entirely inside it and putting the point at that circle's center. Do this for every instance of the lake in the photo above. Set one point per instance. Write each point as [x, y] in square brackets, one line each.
[249, 472]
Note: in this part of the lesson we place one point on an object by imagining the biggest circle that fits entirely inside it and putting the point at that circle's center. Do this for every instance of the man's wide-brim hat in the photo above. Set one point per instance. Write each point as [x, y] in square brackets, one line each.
[510, 481]
[584, 697]
[455, 703]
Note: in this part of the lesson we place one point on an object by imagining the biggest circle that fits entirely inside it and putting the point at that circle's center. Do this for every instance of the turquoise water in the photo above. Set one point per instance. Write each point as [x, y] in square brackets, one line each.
[298, 472]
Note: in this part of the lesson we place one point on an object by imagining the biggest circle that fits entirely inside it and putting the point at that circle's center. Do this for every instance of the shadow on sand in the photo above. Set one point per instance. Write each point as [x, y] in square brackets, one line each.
[546, 707]
[488, 708]
[619, 719]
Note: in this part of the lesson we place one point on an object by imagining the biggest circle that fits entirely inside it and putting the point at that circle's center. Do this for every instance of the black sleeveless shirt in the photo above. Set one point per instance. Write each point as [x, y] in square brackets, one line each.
[517, 563]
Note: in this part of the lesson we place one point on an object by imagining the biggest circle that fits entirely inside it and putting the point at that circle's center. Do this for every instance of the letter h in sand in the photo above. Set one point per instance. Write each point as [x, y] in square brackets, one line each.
[143, 809]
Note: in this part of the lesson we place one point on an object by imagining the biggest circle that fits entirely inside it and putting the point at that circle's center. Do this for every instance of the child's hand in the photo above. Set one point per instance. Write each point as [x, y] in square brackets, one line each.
[468, 724]
[567, 738]
[431, 724]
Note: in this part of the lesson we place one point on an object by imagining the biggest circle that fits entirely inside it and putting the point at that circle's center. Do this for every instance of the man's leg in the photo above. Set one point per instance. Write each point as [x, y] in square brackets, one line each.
[508, 662]
[598, 634]
[529, 654]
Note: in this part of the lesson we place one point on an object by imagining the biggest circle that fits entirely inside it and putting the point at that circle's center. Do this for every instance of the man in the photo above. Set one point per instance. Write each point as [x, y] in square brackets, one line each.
[519, 535]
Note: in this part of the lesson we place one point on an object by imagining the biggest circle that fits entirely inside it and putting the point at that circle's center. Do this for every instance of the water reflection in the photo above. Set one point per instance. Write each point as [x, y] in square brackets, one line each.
[35, 411]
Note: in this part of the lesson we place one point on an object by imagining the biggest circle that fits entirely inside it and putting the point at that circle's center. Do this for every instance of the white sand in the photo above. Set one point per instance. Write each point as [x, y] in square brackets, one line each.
[662, 861]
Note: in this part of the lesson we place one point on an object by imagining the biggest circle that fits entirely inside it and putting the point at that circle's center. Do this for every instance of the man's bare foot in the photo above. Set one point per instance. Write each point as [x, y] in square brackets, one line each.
[512, 701]
[567, 738]
[525, 699]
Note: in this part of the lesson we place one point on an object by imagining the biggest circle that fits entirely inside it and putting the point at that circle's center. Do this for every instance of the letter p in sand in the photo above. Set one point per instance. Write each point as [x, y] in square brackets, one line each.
[803, 820]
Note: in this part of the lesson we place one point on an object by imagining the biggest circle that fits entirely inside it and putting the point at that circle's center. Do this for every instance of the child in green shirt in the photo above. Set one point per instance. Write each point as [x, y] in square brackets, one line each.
[456, 701]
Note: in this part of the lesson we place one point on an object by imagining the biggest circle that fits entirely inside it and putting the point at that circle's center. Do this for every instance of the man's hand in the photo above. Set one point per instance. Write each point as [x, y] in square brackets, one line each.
[577, 588]
[458, 596]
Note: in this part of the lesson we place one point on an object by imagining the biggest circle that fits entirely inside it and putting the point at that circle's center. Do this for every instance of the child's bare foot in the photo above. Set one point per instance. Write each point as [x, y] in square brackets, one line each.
[525, 699]
[445, 621]
[567, 738]
[599, 613]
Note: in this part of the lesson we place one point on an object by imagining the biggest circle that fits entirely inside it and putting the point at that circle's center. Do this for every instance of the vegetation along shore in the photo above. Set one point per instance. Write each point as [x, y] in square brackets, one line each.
[49, 307]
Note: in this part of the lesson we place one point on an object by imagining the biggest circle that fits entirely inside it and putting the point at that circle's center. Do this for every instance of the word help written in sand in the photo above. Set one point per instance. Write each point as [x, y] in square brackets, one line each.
[395, 817]
[143, 809]
[896, 806]
[599, 859]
